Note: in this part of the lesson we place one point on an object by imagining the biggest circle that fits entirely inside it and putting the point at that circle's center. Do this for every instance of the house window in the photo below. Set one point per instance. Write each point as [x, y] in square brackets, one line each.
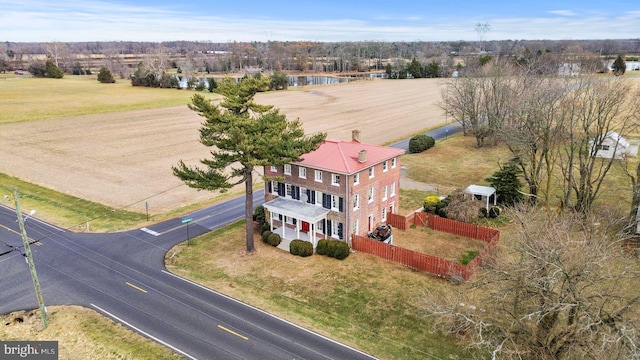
[336, 229]
[393, 189]
[356, 201]
[383, 215]
[274, 187]
[356, 179]
[319, 198]
[393, 163]
[336, 203]
[335, 179]
[302, 172]
[289, 190]
[318, 175]
[370, 198]
[371, 172]
[384, 193]
[604, 147]
[385, 166]
[355, 227]
[287, 169]
[274, 169]
[320, 227]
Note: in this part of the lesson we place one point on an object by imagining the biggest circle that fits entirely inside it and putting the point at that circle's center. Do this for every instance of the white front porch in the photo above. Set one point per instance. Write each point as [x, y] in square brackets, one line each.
[287, 234]
[293, 219]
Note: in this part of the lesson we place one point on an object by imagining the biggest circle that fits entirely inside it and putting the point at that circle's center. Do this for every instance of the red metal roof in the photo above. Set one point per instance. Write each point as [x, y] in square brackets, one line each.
[342, 156]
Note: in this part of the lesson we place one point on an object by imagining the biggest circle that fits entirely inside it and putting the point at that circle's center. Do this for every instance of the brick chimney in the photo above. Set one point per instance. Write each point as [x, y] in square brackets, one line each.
[355, 135]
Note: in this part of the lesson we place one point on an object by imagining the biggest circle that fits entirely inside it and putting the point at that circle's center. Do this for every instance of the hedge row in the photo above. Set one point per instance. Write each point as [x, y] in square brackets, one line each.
[333, 248]
[271, 238]
[301, 248]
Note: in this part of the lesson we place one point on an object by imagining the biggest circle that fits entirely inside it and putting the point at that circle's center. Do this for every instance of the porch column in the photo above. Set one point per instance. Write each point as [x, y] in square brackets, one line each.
[270, 220]
[298, 222]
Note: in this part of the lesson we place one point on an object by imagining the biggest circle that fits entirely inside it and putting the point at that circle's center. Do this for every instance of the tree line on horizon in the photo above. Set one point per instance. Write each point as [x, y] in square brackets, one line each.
[437, 59]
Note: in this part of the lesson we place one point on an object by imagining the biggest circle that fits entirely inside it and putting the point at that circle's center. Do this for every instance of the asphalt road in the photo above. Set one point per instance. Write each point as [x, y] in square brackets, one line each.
[122, 275]
[437, 134]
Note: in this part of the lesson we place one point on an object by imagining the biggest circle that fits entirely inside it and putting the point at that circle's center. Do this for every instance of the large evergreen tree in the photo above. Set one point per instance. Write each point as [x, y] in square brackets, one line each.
[52, 71]
[507, 184]
[243, 135]
[415, 68]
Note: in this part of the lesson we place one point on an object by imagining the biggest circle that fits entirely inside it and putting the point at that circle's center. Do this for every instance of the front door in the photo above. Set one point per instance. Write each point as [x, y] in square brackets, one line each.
[305, 226]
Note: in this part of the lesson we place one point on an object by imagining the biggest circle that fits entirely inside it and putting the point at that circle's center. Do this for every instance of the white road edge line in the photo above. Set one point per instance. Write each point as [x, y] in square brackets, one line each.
[266, 313]
[144, 333]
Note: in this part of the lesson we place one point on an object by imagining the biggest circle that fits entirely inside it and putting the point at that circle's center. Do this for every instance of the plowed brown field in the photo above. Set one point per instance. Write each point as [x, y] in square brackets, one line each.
[124, 158]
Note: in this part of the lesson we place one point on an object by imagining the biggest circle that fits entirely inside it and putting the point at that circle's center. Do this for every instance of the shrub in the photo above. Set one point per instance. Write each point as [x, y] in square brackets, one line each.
[301, 248]
[467, 257]
[274, 239]
[259, 214]
[200, 86]
[333, 248]
[463, 207]
[323, 247]
[105, 77]
[340, 250]
[430, 203]
[265, 227]
[420, 143]
[265, 235]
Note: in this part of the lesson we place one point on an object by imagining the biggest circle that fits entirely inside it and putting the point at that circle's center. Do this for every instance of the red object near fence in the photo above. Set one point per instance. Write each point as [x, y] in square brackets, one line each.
[429, 263]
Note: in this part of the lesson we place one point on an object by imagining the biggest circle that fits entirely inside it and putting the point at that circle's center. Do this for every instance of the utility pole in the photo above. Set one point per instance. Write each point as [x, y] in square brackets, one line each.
[29, 257]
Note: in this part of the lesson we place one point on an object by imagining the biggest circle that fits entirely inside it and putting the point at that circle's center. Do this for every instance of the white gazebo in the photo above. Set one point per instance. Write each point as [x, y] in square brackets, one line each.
[485, 193]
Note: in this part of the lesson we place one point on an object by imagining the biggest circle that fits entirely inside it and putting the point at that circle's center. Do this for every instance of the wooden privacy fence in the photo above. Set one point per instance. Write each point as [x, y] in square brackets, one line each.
[418, 218]
[432, 264]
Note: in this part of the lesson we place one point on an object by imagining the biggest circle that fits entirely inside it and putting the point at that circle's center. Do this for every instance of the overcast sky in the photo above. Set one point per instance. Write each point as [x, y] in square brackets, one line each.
[317, 20]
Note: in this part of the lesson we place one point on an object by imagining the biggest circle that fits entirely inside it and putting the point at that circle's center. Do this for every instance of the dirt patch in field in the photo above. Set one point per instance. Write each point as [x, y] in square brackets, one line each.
[124, 159]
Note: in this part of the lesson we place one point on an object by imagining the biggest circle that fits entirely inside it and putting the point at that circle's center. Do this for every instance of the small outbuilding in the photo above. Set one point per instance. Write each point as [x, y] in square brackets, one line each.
[487, 194]
[613, 145]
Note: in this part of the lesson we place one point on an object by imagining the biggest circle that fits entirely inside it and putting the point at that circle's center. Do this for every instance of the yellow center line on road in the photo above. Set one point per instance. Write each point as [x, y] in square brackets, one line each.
[233, 332]
[136, 287]
[18, 233]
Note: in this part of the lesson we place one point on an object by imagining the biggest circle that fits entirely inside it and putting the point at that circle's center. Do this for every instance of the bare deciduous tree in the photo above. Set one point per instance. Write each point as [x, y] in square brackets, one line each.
[592, 108]
[534, 131]
[562, 288]
[480, 100]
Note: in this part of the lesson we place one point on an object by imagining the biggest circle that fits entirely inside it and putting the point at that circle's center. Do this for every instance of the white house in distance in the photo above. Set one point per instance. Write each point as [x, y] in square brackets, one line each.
[613, 145]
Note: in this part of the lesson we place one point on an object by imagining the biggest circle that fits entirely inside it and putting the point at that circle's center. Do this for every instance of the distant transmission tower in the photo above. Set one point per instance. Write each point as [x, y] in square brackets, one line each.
[482, 30]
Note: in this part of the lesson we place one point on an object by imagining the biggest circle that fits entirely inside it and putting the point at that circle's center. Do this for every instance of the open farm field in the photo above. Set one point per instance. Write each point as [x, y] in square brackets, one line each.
[115, 144]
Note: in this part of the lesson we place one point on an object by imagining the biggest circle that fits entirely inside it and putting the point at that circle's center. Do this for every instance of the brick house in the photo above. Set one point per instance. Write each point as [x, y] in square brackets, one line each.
[341, 188]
